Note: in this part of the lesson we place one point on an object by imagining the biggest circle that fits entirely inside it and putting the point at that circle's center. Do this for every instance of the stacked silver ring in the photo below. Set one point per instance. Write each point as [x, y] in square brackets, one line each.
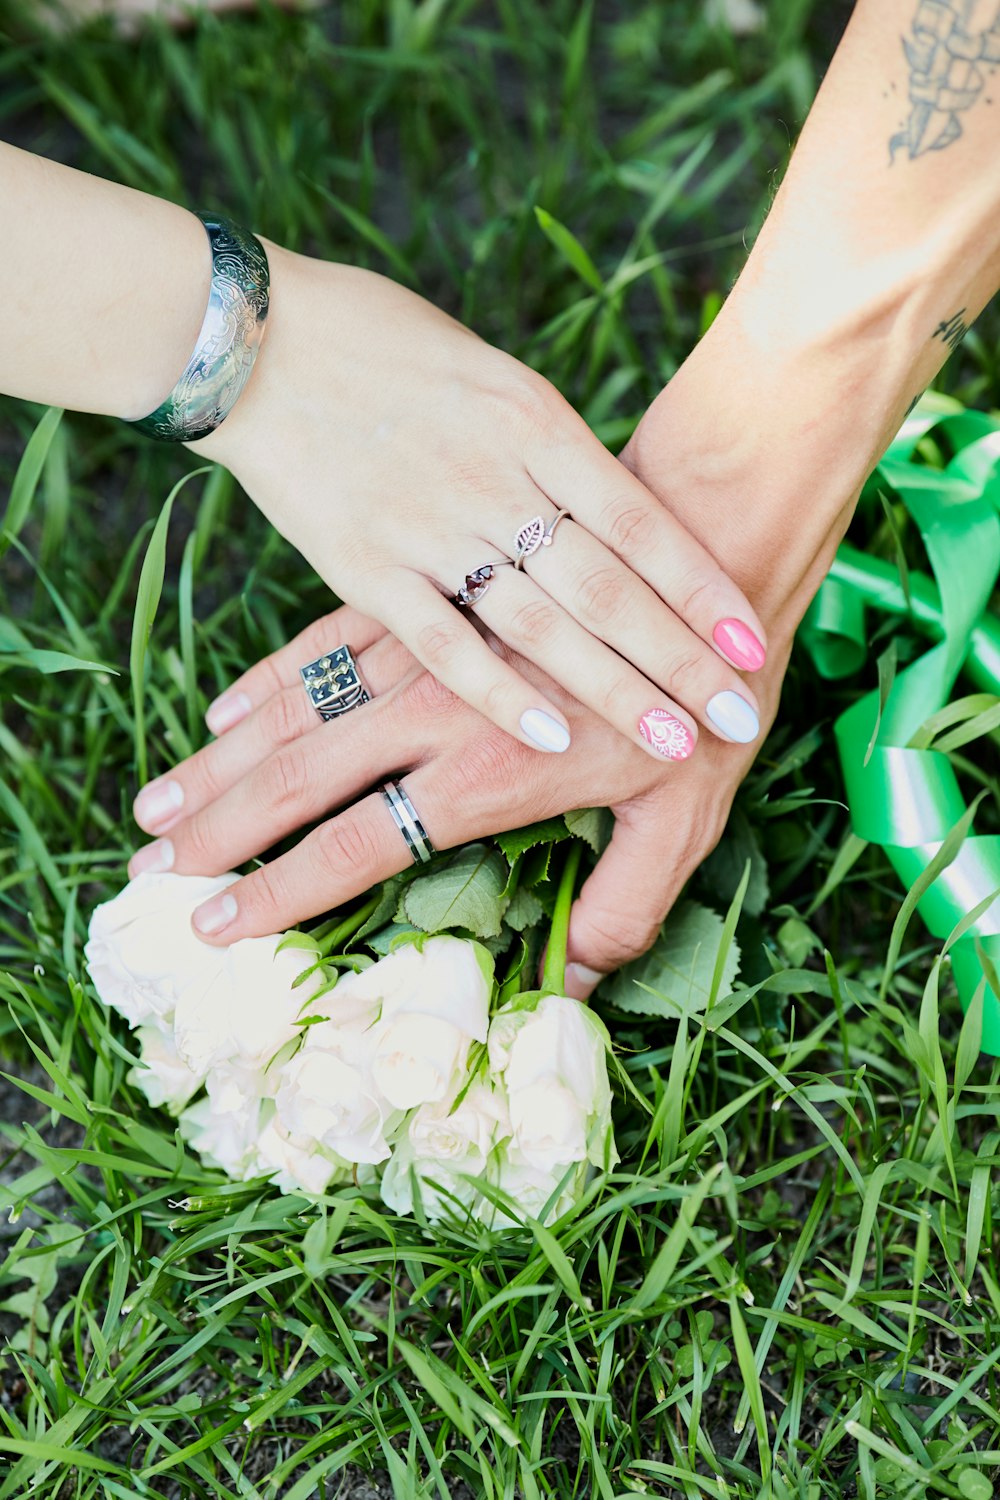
[406, 820]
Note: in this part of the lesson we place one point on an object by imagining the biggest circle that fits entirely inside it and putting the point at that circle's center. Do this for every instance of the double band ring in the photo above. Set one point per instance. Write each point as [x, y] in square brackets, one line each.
[405, 817]
[334, 684]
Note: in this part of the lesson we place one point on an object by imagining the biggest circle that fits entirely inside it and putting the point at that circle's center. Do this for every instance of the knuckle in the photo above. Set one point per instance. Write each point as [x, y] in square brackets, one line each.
[620, 936]
[631, 529]
[203, 779]
[322, 636]
[694, 592]
[684, 672]
[440, 641]
[424, 697]
[491, 766]
[526, 400]
[280, 782]
[200, 844]
[266, 890]
[475, 476]
[534, 623]
[601, 594]
[345, 844]
[283, 716]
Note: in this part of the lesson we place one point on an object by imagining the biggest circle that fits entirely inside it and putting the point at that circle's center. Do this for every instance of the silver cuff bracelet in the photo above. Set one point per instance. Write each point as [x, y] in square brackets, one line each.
[227, 346]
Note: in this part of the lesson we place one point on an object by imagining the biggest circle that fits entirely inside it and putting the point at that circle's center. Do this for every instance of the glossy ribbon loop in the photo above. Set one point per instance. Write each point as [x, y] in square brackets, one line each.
[904, 798]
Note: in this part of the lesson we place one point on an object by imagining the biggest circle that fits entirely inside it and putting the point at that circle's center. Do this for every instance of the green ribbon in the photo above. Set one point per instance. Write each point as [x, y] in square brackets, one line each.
[904, 798]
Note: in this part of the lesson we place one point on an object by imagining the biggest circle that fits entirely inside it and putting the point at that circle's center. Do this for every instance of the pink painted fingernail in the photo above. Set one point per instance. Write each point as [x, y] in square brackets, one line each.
[666, 735]
[152, 859]
[228, 709]
[158, 804]
[740, 644]
[215, 914]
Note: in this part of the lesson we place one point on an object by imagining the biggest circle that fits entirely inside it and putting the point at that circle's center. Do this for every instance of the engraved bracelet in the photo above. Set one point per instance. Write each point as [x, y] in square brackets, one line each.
[230, 337]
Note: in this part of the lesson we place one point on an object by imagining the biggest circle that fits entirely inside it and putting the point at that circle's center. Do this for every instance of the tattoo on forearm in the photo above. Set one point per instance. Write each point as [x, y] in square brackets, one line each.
[953, 330]
[953, 50]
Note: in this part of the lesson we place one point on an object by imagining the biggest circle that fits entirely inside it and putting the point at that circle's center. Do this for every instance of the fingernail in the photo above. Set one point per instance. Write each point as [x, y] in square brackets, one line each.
[228, 709]
[215, 914]
[666, 735]
[740, 644]
[543, 730]
[734, 716]
[580, 977]
[152, 859]
[158, 804]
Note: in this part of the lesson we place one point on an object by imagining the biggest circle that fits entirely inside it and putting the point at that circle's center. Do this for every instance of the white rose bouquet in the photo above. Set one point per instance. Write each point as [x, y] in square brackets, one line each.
[380, 1049]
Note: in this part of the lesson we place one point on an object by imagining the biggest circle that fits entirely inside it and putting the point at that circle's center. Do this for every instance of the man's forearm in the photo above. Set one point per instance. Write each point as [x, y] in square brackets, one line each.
[106, 289]
[882, 245]
[884, 239]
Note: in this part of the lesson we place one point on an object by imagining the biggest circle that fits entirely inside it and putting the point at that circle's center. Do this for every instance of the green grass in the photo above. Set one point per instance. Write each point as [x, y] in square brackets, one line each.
[790, 1286]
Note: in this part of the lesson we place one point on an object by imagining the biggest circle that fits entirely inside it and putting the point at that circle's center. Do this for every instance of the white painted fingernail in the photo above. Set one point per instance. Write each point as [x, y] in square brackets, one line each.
[152, 859]
[215, 914]
[158, 804]
[543, 730]
[228, 709]
[734, 716]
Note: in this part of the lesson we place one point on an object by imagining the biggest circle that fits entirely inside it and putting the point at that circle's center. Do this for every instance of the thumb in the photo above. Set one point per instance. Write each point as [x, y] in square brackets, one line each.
[623, 902]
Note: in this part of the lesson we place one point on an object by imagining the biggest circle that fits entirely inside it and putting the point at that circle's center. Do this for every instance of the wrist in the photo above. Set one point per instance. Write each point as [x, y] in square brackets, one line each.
[762, 458]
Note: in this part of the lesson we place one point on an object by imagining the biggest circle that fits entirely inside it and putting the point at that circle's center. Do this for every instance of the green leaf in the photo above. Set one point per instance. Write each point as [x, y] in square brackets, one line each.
[722, 871]
[388, 937]
[797, 940]
[41, 1272]
[675, 976]
[48, 662]
[147, 601]
[518, 840]
[592, 824]
[570, 249]
[29, 471]
[467, 892]
[525, 910]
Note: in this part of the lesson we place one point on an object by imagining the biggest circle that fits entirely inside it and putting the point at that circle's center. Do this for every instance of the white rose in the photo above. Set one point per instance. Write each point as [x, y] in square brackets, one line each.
[326, 1094]
[431, 1003]
[223, 1137]
[297, 1164]
[245, 1011]
[162, 1074]
[529, 1189]
[448, 1149]
[142, 951]
[553, 1064]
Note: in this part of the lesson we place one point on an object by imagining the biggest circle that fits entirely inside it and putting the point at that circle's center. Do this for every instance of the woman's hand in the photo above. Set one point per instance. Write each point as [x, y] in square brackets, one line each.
[277, 766]
[399, 453]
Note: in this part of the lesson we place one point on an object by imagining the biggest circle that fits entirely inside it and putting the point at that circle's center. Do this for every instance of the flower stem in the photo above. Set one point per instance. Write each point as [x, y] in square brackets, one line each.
[554, 976]
[337, 935]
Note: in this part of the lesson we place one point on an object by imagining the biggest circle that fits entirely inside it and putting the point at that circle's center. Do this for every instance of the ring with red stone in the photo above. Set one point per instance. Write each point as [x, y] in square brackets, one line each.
[476, 583]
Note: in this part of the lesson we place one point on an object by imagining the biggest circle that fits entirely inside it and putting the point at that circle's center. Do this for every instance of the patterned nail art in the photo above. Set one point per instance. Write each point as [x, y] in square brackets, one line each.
[667, 735]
